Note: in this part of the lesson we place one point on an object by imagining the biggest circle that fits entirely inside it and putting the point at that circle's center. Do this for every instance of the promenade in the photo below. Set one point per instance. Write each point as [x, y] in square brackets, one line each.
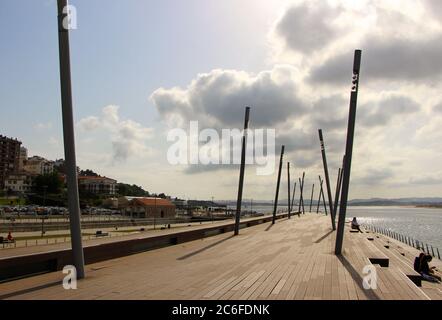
[293, 259]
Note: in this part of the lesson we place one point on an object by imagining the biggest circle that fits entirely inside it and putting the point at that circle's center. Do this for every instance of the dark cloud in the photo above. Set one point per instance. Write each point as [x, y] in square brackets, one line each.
[438, 108]
[374, 177]
[382, 112]
[218, 98]
[306, 28]
[385, 59]
[330, 113]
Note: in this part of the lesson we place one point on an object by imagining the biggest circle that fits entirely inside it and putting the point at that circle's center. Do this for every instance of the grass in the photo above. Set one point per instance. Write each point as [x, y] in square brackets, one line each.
[7, 201]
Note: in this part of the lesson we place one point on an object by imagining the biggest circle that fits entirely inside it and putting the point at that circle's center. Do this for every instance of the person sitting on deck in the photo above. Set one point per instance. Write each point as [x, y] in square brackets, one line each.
[417, 262]
[425, 270]
[9, 237]
[355, 225]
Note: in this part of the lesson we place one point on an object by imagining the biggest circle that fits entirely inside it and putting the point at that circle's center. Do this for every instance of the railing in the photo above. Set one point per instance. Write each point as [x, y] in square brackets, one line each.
[425, 247]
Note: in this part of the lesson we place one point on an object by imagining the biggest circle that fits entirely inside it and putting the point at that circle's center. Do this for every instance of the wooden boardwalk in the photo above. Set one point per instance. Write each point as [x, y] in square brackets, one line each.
[292, 259]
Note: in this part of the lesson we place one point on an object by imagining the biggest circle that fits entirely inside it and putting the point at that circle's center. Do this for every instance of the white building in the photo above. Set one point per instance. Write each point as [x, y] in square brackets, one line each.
[19, 182]
[38, 165]
[97, 185]
[23, 157]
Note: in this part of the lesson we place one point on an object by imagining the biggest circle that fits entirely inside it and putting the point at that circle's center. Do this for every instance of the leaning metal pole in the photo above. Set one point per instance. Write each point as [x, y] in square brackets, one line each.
[288, 188]
[338, 189]
[320, 194]
[241, 172]
[301, 196]
[69, 138]
[348, 151]
[335, 204]
[311, 198]
[275, 205]
[293, 196]
[327, 178]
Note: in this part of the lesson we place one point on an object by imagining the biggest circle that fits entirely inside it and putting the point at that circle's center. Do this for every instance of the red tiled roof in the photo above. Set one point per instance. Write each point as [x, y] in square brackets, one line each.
[152, 202]
[94, 178]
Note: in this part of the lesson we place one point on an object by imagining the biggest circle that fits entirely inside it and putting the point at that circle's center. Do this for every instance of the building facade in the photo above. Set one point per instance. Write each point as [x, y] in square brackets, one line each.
[97, 185]
[9, 157]
[19, 182]
[38, 165]
[150, 208]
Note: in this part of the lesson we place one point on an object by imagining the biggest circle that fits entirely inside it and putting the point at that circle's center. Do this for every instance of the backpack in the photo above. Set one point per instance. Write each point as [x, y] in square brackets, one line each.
[417, 266]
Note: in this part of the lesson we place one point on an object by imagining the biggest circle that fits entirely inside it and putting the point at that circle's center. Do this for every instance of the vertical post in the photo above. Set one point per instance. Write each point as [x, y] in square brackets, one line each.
[241, 171]
[319, 199]
[311, 197]
[288, 188]
[301, 196]
[348, 151]
[323, 198]
[327, 178]
[293, 196]
[69, 138]
[438, 254]
[335, 203]
[275, 205]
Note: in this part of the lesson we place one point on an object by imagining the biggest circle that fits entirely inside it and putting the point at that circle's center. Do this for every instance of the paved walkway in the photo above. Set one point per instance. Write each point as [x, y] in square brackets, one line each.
[292, 259]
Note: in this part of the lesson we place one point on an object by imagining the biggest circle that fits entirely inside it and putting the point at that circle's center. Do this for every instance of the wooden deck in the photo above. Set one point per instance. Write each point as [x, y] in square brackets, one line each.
[292, 259]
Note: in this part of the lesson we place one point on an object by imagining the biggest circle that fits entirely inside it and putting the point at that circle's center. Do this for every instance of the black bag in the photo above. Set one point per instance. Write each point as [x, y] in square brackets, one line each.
[417, 266]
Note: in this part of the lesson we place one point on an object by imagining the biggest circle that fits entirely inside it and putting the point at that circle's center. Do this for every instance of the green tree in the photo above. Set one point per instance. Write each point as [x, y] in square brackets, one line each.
[125, 189]
[49, 183]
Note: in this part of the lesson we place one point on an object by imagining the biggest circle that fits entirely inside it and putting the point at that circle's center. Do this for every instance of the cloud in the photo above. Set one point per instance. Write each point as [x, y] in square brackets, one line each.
[218, 98]
[374, 177]
[127, 136]
[378, 113]
[427, 180]
[438, 108]
[434, 8]
[408, 60]
[307, 27]
[89, 123]
[43, 126]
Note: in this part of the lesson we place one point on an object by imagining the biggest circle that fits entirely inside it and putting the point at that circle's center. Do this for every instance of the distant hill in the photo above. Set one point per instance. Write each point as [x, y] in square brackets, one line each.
[425, 201]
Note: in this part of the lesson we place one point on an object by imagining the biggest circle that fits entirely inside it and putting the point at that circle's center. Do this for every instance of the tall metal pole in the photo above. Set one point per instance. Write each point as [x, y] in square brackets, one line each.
[275, 205]
[338, 186]
[69, 139]
[323, 199]
[311, 198]
[293, 196]
[348, 151]
[327, 179]
[338, 191]
[241, 171]
[301, 197]
[320, 194]
[288, 189]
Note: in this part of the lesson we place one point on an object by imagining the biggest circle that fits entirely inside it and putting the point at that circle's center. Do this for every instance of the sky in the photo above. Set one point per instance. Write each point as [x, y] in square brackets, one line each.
[143, 68]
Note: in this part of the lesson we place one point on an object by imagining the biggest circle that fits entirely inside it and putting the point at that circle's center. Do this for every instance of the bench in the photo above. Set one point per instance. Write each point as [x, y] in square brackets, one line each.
[6, 241]
[100, 233]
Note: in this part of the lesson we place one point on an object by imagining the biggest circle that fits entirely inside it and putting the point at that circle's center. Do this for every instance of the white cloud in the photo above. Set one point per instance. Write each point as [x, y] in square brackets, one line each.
[43, 126]
[308, 88]
[128, 137]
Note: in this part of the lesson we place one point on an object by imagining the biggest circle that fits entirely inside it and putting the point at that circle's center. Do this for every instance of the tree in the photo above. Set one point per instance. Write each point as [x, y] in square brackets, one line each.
[88, 173]
[49, 183]
[125, 189]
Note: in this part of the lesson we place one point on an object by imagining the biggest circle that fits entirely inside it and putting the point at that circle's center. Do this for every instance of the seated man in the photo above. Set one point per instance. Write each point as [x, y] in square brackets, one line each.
[425, 270]
[355, 225]
[10, 238]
